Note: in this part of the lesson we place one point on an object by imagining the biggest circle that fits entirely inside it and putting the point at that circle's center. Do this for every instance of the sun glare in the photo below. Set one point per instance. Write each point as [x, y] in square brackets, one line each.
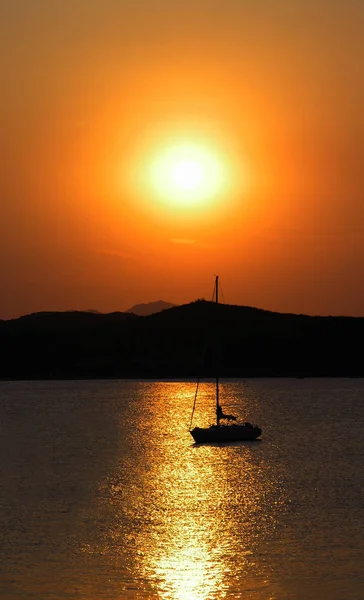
[186, 174]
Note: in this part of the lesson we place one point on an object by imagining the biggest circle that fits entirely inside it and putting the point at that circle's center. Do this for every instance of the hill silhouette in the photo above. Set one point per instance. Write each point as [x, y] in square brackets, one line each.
[150, 308]
[196, 339]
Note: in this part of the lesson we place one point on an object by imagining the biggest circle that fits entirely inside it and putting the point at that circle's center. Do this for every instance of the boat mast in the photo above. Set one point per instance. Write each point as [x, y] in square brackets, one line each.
[217, 377]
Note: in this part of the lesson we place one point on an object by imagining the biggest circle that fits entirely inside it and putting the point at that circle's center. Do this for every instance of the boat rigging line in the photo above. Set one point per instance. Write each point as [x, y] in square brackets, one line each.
[194, 404]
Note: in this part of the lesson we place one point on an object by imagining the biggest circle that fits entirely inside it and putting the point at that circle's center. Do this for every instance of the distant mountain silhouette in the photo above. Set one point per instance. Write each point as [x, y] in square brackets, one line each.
[149, 308]
[197, 339]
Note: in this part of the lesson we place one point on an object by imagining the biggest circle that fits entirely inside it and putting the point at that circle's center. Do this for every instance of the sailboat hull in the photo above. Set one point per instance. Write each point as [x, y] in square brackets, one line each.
[225, 433]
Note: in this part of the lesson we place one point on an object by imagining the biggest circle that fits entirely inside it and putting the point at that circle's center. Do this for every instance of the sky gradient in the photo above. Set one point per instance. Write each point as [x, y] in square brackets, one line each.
[92, 91]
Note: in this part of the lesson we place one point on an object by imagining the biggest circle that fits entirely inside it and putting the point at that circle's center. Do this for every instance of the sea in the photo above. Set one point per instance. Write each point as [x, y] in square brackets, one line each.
[104, 494]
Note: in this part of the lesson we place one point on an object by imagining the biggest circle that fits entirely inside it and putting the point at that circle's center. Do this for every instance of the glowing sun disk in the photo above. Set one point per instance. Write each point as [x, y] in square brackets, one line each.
[187, 174]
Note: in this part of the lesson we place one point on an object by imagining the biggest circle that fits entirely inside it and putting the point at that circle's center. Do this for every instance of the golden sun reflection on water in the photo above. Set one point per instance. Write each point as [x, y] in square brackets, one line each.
[213, 499]
[188, 574]
[186, 520]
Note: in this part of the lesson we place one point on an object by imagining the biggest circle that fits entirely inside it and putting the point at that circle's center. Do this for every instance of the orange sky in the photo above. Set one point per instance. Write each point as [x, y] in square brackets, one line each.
[92, 89]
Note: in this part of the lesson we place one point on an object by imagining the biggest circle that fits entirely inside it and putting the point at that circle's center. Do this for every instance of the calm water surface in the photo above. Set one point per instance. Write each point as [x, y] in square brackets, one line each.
[103, 494]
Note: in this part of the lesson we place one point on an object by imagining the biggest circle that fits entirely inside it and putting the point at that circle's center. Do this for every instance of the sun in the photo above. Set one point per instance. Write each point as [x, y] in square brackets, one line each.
[186, 173]
[183, 171]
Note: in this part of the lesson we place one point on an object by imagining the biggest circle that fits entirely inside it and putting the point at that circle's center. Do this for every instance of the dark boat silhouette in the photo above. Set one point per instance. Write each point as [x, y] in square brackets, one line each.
[223, 432]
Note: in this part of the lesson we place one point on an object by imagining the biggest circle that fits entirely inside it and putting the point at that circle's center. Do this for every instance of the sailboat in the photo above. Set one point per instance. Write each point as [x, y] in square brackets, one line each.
[223, 431]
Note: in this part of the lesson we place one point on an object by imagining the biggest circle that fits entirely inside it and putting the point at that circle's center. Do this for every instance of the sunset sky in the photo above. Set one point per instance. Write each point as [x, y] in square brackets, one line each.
[148, 144]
